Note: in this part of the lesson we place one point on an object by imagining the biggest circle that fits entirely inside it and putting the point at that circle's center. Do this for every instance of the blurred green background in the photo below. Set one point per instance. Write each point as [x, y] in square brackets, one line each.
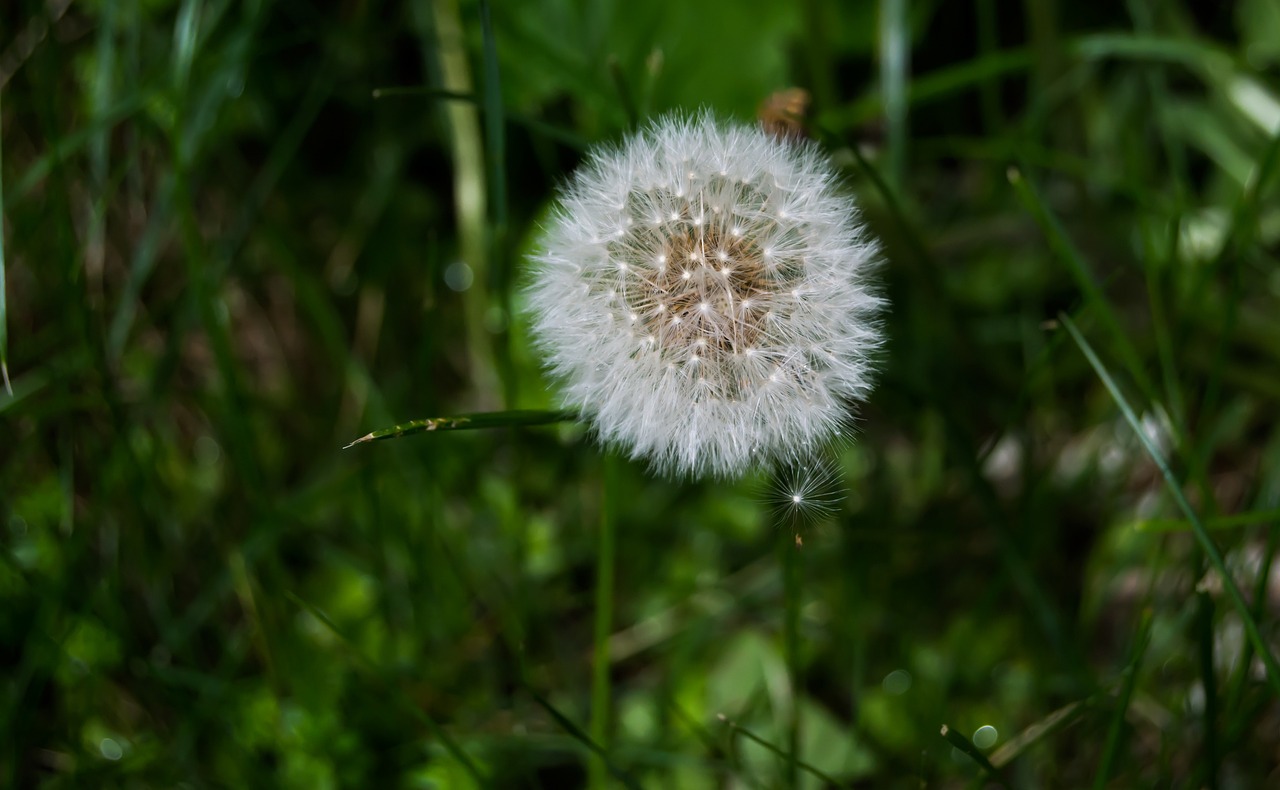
[238, 235]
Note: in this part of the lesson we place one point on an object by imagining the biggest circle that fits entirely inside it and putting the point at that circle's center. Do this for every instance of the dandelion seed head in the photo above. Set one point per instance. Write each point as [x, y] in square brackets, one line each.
[758, 392]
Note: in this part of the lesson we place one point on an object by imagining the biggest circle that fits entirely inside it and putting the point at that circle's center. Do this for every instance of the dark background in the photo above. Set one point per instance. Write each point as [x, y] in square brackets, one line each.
[225, 244]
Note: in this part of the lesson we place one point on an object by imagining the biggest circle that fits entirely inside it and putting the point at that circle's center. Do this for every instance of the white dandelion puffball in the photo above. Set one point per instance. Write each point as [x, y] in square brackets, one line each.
[701, 295]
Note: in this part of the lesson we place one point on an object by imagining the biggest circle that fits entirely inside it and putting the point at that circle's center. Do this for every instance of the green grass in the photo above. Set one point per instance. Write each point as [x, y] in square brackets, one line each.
[231, 233]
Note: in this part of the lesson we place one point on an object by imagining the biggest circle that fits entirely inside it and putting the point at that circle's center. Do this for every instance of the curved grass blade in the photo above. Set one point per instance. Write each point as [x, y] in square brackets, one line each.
[374, 671]
[66, 147]
[948, 80]
[1062, 717]
[934, 85]
[790, 758]
[1197, 526]
[464, 422]
[965, 745]
[1194, 54]
[579, 735]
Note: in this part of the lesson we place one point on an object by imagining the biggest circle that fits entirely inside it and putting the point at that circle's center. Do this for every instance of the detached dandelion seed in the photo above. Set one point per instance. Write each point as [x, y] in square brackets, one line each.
[782, 336]
[803, 493]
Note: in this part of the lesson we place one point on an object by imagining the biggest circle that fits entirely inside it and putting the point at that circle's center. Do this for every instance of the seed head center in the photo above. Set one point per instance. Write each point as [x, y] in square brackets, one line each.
[707, 304]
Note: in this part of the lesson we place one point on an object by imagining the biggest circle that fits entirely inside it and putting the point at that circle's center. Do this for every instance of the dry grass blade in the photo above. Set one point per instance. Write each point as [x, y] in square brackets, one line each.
[465, 422]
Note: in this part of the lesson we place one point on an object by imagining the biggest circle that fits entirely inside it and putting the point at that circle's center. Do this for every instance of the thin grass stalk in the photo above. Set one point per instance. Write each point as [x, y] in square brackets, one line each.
[469, 191]
[1209, 681]
[988, 46]
[4, 318]
[606, 550]
[1115, 732]
[1243, 232]
[818, 53]
[500, 264]
[100, 99]
[858, 662]
[736, 729]
[1241, 680]
[1156, 276]
[1046, 47]
[1095, 300]
[895, 47]
[962, 743]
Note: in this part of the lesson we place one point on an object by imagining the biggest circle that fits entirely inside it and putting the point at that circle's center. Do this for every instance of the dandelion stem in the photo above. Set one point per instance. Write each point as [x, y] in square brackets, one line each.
[790, 558]
[605, 561]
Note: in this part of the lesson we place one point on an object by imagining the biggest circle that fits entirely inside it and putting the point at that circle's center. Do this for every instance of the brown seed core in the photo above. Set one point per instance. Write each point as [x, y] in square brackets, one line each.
[708, 297]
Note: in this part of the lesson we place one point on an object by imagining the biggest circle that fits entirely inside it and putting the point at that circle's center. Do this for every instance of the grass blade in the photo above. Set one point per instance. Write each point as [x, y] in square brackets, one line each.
[453, 747]
[1219, 522]
[494, 126]
[1209, 680]
[1116, 730]
[464, 422]
[4, 310]
[1058, 720]
[185, 33]
[1197, 526]
[1085, 280]
[738, 729]
[973, 753]
[576, 732]
[1262, 582]
[625, 100]
[895, 63]
[495, 156]
[443, 40]
[989, 89]
[1242, 231]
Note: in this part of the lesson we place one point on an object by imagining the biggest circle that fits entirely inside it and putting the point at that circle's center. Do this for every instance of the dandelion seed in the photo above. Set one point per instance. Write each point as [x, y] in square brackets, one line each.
[741, 411]
[805, 492]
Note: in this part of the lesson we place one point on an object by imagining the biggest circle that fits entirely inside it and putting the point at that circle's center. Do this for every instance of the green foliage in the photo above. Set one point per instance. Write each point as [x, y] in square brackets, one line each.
[223, 259]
